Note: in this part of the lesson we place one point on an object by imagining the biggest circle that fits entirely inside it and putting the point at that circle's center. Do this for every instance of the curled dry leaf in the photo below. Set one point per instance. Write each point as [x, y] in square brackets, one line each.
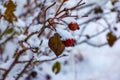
[56, 44]
[9, 13]
[111, 38]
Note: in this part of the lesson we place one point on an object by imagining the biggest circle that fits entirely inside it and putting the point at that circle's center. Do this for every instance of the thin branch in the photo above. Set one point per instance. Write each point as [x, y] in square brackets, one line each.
[20, 74]
[77, 6]
[2, 69]
[87, 5]
[7, 72]
[82, 31]
[42, 61]
[96, 17]
[9, 38]
[33, 33]
[98, 33]
[109, 26]
[41, 30]
[96, 45]
[48, 60]
[50, 6]
[13, 63]
[91, 19]
[57, 12]
[90, 37]
[67, 9]
[4, 32]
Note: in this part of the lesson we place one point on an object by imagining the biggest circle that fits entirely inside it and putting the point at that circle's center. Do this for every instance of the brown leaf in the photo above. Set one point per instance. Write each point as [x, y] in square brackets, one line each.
[56, 44]
[98, 10]
[111, 38]
[10, 5]
[9, 13]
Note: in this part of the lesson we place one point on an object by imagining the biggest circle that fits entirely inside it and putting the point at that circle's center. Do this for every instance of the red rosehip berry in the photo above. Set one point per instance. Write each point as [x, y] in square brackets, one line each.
[73, 26]
[69, 42]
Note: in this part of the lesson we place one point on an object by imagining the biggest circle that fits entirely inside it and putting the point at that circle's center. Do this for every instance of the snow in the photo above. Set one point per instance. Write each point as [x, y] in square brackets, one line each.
[83, 62]
[99, 2]
[2, 9]
[100, 64]
[21, 37]
[7, 64]
[19, 23]
[117, 5]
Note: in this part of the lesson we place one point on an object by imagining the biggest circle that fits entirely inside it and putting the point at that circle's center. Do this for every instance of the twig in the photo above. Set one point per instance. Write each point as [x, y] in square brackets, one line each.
[82, 31]
[30, 36]
[48, 60]
[90, 37]
[96, 45]
[42, 61]
[4, 32]
[57, 12]
[109, 26]
[2, 69]
[50, 6]
[8, 38]
[13, 63]
[20, 74]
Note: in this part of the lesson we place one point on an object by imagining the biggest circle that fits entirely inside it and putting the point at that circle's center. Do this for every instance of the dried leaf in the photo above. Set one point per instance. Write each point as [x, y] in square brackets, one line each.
[9, 13]
[98, 10]
[56, 44]
[114, 1]
[35, 62]
[9, 31]
[56, 67]
[10, 5]
[111, 38]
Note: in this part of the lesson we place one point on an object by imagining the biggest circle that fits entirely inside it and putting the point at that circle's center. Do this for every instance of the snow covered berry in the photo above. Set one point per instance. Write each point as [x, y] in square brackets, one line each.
[69, 42]
[73, 26]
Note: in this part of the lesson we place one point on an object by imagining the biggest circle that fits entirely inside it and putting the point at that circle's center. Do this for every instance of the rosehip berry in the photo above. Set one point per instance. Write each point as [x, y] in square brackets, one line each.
[69, 42]
[73, 26]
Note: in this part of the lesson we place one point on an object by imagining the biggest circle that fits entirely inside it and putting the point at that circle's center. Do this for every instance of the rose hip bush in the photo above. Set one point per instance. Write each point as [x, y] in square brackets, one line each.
[32, 29]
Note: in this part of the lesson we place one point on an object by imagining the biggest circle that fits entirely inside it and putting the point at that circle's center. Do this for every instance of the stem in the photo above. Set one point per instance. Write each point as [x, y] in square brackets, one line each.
[20, 74]
[13, 64]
